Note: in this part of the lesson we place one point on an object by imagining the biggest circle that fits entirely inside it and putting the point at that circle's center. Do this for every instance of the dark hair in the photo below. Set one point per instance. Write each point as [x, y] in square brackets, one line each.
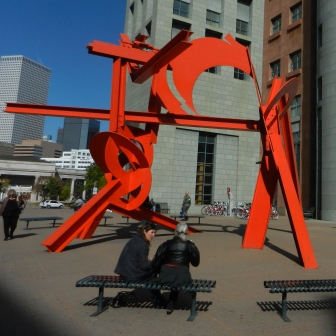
[145, 228]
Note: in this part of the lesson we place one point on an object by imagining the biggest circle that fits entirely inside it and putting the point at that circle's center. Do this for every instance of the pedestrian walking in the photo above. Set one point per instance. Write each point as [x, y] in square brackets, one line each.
[186, 205]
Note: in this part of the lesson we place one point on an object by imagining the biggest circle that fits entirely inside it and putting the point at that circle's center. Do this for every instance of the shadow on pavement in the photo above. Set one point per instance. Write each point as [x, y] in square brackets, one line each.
[24, 235]
[16, 320]
[286, 254]
[268, 306]
[142, 299]
[241, 230]
[121, 233]
[57, 225]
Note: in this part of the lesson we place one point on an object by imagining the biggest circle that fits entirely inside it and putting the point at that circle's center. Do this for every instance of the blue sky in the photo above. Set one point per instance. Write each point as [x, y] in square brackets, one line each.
[56, 33]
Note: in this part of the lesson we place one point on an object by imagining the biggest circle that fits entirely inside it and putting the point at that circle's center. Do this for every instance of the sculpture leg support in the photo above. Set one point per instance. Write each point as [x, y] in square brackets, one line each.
[256, 229]
[293, 205]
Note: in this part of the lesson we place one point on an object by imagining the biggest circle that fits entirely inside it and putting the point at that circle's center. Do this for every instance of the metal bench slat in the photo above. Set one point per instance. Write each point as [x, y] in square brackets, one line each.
[117, 282]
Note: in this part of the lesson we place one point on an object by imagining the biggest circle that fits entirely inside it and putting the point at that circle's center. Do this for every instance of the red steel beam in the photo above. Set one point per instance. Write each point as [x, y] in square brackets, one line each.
[193, 121]
[141, 117]
[170, 51]
[58, 111]
[113, 51]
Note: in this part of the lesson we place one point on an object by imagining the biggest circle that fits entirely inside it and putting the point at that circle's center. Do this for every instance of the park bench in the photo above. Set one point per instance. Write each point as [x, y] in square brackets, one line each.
[127, 219]
[190, 216]
[35, 219]
[308, 213]
[107, 281]
[162, 208]
[105, 218]
[298, 286]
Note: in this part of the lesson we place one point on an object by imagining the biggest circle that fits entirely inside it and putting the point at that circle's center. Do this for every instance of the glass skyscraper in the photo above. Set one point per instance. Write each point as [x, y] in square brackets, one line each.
[77, 133]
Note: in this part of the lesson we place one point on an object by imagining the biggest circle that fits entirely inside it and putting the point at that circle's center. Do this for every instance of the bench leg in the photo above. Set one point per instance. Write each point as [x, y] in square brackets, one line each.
[105, 221]
[100, 302]
[199, 220]
[193, 311]
[284, 308]
[27, 226]
[54, 222]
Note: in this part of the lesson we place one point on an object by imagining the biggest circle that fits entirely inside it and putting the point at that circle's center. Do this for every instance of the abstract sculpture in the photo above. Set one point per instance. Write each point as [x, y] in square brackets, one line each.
[126, 190]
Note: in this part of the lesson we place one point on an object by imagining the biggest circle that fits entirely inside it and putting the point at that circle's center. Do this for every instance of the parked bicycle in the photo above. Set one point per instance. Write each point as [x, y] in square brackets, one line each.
[242, 211]
[215, 209]
[274, 213]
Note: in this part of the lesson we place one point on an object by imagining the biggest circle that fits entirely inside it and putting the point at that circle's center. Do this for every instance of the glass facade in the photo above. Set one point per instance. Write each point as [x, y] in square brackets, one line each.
[205, 168]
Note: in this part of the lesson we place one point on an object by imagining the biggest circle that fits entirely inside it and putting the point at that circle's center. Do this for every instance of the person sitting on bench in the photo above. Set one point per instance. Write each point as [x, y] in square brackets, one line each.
[134, 264]
[172, 261]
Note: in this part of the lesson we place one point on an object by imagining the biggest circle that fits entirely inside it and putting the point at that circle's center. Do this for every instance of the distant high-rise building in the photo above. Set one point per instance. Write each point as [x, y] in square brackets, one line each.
[77, 133]
[23, 81]
[60, 136]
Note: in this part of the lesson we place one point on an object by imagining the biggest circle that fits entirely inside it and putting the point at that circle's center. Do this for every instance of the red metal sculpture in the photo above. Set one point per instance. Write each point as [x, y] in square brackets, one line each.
[127, 190]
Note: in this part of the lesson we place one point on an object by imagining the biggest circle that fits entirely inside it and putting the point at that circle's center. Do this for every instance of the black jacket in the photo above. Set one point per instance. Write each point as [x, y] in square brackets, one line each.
[177, 252]
[133, 261]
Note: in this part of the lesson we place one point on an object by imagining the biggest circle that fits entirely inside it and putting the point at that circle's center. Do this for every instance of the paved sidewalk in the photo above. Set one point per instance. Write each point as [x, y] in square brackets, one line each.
[38, 294]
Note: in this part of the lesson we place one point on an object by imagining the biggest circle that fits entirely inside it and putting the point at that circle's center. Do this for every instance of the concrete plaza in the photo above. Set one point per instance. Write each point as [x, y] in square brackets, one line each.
[39, 297]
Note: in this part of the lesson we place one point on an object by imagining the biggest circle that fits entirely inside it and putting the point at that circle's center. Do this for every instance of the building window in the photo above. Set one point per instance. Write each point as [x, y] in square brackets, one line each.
[214, 34]
[132, 8]
[181, 8]
[212, 18]
[319, 89]
[205, 163]
[295, 108]
[177, 26]
[241, 27]
[276, 24]
[240, 74]
[275, 69]
[243, 17]
[319, 36]
[149, 28]
[296, 12]
[296, 140]
[295, 60]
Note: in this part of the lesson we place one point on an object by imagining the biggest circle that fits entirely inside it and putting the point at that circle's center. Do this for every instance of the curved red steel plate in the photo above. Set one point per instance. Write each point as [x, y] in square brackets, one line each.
[188, 66]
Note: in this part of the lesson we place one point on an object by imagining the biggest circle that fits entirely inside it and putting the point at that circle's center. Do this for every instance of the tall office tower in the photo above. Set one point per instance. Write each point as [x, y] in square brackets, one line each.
[325, 108]
[23, 81]
[290, 51]
[203, 161]
[77, 133]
